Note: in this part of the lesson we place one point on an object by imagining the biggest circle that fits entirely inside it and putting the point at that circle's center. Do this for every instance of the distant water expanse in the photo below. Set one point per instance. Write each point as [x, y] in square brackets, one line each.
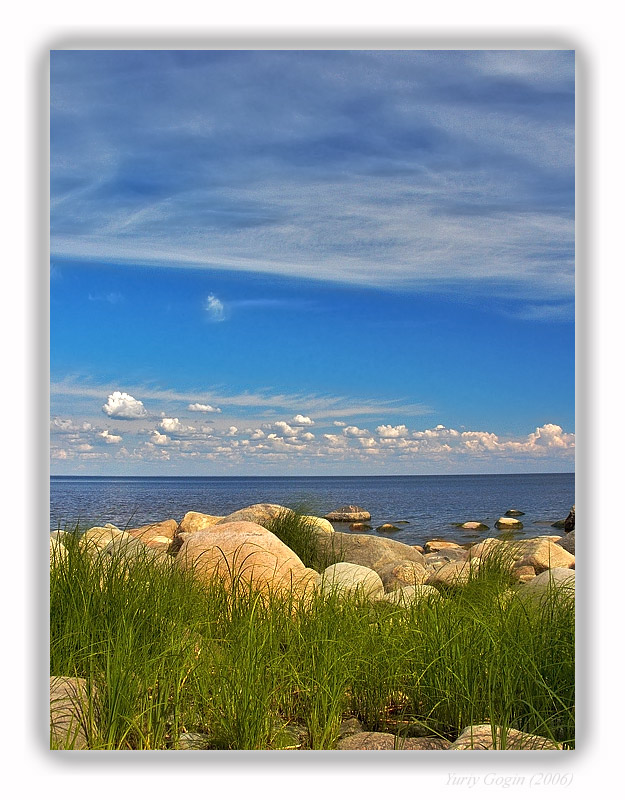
[429, 503]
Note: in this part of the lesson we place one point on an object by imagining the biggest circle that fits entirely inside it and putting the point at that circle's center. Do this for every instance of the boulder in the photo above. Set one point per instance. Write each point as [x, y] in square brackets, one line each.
[508, 522]
[560, 523]
[480, 737]
[369, 740]
[452, 574]
[387, 528]
[319, 523]
[351, 579]
[402, 573]
[368, 550]
[248, 554]
[406, 596]
[259, 513]
[349, 514]
[58, 552]
[97, 538]
[68, 713]
[558, 580]
[360, 526]
[474, 526]
[440, 544]
[128, 548]
[568, 542]
[524, 574]
[446, 555]
[158, 535]
[194, 521]
[512, 512]
[542, 554]
[569, 522]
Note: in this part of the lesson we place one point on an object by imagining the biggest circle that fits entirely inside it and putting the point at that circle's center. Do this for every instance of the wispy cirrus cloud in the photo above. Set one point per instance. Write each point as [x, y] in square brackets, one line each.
[394, 168]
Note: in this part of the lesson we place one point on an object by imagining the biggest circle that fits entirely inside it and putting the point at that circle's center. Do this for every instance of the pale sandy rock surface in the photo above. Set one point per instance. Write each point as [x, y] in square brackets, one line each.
[194, 521]
[247, 553]
[349, 514]
[480, 737]
[346, 579]
[542, 554]
[369, 740]
[368, 550]
[260, 513]
[68, 700]
[410, 595]
[402, 573]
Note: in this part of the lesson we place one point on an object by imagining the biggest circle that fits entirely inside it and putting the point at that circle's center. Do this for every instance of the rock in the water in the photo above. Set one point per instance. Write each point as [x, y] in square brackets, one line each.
[387, 528]
[351, 579]
[508, 522]
[69, 705]
[560, 523]
[246, 554]
[260, 513]
[360, 526]
[368, 550]
[402, 573]
[369, 740]
[512, 512]
[569, 522]
[349, 514]
[474, 526]
[194, 521]
[480, 737]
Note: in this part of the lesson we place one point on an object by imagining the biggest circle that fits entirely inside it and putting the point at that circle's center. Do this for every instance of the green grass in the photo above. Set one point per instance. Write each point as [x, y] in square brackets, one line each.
[164, 655]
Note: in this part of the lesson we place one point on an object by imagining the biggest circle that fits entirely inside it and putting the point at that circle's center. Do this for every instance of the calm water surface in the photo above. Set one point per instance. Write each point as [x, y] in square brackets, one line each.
[429, 503]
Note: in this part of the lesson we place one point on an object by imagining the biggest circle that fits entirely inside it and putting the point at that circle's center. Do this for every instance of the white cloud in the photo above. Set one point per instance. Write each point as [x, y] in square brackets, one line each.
[124, 406]
[202, 407]
[214, 308]
[339, 424]
[173, 425]
[159, 438]
[392, 432]
[352, 430]
[298, 419]
[110, 438]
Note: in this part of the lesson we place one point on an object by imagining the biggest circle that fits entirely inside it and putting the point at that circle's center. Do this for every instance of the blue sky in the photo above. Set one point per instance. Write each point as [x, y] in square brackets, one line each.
[312, 262]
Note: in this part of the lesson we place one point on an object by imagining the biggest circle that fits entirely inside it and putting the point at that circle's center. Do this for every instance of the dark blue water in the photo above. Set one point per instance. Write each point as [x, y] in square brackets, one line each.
[430, 503]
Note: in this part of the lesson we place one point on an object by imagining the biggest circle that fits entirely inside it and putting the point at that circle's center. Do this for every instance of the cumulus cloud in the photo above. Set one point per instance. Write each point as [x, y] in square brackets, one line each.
[352, 430]
[392, 432]
[110, 438]
[203, 407]
[298, 419]
[159, 438]
[214, 308]
[121, 405]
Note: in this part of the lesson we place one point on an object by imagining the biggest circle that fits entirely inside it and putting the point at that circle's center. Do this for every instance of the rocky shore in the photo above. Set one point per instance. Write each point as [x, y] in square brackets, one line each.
[241, 548]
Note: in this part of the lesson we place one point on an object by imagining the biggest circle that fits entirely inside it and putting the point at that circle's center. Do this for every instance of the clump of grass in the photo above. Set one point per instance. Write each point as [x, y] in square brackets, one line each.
[299, 531]
[164, 655]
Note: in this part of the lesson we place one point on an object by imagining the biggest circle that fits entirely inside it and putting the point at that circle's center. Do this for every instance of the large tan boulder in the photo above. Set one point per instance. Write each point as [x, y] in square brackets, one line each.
[370, 740]
[559, 581]
[194, 521]
[456, 573]
[367, 550]
[58, 552]
[69, 713]
[158, 535]
[260, 513]
[318, 523]
[99, 537]
[402, 573]
[248, 554]
[435, 545]
[542, 554]
[344, 579]
[480, 737]
[407, 596]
